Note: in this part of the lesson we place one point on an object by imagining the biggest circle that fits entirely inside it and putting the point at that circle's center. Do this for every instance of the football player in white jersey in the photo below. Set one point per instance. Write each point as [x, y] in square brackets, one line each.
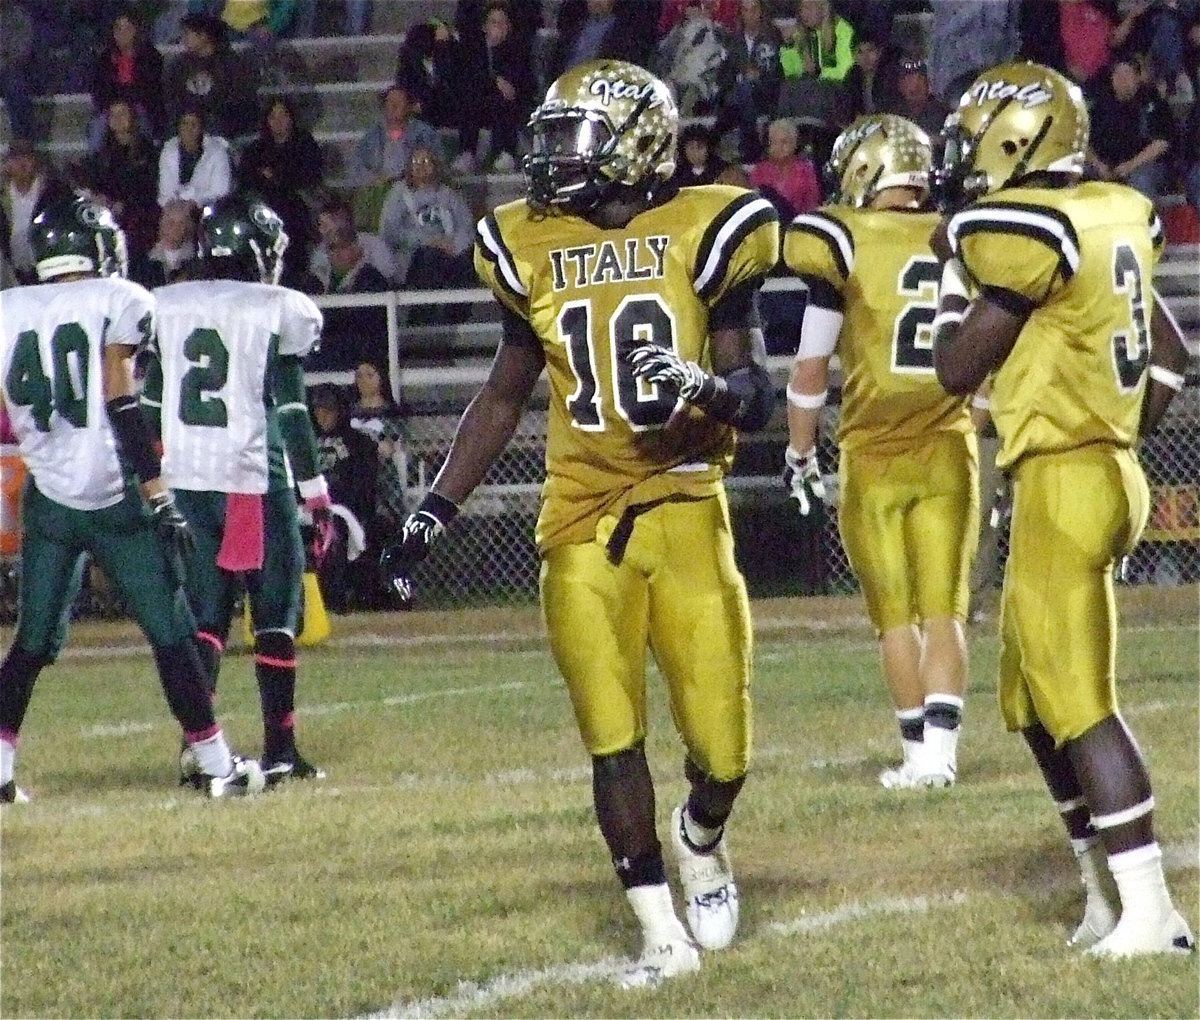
[225, 383]
[67, 346]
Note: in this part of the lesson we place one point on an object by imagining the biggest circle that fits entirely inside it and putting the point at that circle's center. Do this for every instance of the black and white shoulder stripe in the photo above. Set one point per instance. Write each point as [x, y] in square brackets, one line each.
[492, 245]
[737, 221]
[1040, 222]
[830, 230]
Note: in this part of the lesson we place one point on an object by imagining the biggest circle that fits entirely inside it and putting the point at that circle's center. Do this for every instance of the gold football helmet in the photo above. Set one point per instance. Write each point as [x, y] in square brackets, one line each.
[1014, 120]
[876, 152]
[602, 123]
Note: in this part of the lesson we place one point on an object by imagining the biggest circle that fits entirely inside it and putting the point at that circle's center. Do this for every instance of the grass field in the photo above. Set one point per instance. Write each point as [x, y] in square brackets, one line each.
[450, 864]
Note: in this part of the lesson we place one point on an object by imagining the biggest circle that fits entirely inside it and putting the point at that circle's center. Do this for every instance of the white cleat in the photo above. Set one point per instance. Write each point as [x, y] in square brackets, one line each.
[919, 773]
[1133, 938]
[711, 898]
[244, 780]
[1099, 919]
[657, 963]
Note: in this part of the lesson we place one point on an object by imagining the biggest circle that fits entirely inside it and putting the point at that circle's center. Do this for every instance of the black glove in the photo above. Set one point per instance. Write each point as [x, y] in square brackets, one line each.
[802, 479]
[420, 531]
[324, 533]
[663, 367]
[175, 534]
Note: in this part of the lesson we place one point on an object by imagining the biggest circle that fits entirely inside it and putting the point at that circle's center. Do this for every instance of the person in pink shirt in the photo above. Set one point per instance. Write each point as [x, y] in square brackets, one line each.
[784, 177]
[1092, 32]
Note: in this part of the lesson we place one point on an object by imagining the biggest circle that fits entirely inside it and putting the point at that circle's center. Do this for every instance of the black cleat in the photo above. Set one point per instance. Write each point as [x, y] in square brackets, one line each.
[294, 766]
[11, 793]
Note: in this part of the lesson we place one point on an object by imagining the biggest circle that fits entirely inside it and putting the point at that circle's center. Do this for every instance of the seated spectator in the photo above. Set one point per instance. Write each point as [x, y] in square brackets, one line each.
[285, 167]
[693, 57]
[754, 62]
[173, 256]
[128, 68]
[17, 69]
[525, 15]
[1190, 146]
[377, 416]
[30, 186]
[596, 29]
[501, 86]
[723, 12]
[356, 17]
[347, 459]
[698, 162]
[815, 62]
[349, 262]
[915, 100]
[871, 84]
[430, 63]
[967, 37]
[193, 164]
[1131, 130]
[1041, 34]
[786, 179]
[1090, 32]
[123, 175]
[386, 147]
[210, 77]
[429, 227]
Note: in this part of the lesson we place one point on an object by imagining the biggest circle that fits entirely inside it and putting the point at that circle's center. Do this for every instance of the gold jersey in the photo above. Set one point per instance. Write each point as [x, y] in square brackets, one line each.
[1080, 260]
[613, 441]
[876, 267]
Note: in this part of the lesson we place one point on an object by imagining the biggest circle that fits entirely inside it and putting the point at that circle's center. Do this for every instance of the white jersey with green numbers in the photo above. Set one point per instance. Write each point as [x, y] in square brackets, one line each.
[52, 340]
[216, 343]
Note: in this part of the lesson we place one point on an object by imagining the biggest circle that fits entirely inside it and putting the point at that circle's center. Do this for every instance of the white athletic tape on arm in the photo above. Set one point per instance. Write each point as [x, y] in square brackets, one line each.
[1172, 380]
[954, 280]
[818, 333]
[314, 488]
[809, 401]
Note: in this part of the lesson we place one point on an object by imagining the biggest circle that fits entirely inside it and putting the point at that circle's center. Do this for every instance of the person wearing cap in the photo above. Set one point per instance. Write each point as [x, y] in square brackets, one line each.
[914, 99]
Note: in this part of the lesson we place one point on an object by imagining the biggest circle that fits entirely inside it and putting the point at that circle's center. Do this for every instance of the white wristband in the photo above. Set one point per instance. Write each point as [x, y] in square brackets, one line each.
[808, 401]
[954, 280]
[980, 402]
[314, 488]
[946, 319]
[1172, 380]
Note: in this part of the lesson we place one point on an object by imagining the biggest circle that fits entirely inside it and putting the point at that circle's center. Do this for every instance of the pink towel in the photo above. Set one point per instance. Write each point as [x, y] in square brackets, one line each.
[242, 540]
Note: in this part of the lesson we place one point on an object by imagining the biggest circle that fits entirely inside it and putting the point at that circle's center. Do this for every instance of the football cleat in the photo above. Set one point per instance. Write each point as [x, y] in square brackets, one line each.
[190, 772]
[11, 793]
[659, 962]
[711, 898]
[1133, 938]
[244, 780]
[282, 770]
[1099, 919]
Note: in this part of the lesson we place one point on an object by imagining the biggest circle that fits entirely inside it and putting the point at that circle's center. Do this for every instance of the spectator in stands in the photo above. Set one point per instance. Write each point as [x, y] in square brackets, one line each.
[1131, 130]
[723, 12]
[174, 252]
[193, 164]
[1191, 157]
[122, 174]
[870, 85]
[376, 415]
[347, 459]
[335, 227]
[526, 19]
[429, 227]
[209, 76]
[754, 63]
[128, 68]
[815, 62]
[693, 58]
[30, 185]
[349, 262]
[356, 17]
[967, 37]
[285, 167]
[430, 63]
[261, 23]
[384, 151]
[1091, 31]
[915, 100]
[787, 179]
[698, 162]
[500, 87]
[1041, 34]
[594, 29]
[16, 57]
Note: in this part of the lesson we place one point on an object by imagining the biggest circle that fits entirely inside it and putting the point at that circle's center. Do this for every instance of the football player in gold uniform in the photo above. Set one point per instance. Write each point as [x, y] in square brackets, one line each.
[639, 302]
[909, 503]
[1064, 322]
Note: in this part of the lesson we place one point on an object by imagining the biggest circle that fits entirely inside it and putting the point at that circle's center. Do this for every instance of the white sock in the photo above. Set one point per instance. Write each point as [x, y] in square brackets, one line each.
[214, 755]
[653, 906]
[699, 835]
[1093, 870]
[8, 761]
[1139, 876]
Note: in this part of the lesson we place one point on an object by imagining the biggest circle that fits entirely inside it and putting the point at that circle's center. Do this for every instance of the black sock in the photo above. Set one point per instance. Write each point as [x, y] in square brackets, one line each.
[644, 869]
[946, 715]
[275, 669]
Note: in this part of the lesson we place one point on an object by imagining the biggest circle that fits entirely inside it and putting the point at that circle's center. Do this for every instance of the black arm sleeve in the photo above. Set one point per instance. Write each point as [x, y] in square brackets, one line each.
[744, 398]
[133, 437]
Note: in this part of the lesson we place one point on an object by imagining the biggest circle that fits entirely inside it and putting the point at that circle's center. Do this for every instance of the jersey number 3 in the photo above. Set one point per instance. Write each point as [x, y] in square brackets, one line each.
[1130, 347]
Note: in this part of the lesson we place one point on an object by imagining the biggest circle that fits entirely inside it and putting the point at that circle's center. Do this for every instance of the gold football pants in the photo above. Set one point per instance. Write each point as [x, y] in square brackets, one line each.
[677, 590]
[1075, 514]
[909, 520]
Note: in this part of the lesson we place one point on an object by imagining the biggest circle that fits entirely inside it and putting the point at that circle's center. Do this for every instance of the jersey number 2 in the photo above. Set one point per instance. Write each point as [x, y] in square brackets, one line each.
[209, 359]
[912, 341]
[65, 390]
[1131, 347]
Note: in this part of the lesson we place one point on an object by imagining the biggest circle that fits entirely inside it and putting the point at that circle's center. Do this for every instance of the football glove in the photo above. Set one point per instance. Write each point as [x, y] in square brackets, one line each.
[323, 529]
[420, 531]
[802, 479]
[663, 367]
[174, 533]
